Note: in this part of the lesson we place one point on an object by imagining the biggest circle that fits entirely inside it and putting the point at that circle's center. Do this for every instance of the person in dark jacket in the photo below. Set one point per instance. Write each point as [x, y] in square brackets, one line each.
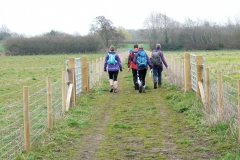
[157, 69]
[142, 70]
[132, 65]
[112, 68]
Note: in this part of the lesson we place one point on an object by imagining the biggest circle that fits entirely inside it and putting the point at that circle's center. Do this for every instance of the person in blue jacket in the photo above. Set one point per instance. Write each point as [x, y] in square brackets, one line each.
[142, 69]
[112, 64]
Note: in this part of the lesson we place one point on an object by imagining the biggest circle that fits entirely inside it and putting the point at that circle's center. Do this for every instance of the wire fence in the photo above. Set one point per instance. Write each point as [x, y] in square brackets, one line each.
[175, 75]
[12, 141]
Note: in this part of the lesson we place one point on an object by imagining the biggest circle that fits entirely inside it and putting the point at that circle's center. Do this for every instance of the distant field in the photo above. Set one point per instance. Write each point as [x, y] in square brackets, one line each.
[1, 47]
[19, 71]
[145, 46]
[225, 61]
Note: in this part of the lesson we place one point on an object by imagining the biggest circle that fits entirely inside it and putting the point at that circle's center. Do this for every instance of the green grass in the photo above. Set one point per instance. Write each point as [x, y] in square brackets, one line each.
[134, 127]
[19, 71]
[1, 47]
[225, 61]
[145, 46]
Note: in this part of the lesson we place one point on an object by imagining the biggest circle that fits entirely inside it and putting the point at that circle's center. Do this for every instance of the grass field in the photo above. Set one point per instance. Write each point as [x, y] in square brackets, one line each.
[129, 125]
[145, 46]
[225, 61]
[1, 47]
[19, 71]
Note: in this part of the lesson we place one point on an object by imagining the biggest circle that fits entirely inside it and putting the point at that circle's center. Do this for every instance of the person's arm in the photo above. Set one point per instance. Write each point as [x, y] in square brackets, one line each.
[163, 60]
[105, 63]
[149, 62]
[129, 61]
[119, 62]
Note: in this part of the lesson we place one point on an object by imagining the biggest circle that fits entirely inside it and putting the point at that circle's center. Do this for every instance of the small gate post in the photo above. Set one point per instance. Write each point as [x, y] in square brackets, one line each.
[187, 72]
[71, 68]
[199, 70]
[85, 75]
[220, 97]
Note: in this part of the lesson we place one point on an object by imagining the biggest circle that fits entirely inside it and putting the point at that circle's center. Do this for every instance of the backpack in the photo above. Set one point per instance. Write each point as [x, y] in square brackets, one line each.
[133, 53]
[111, 59]
[156, 59]
[142, 59]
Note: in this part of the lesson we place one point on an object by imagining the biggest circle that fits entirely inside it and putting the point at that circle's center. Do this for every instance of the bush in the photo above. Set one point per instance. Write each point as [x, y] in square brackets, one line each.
[52, 45]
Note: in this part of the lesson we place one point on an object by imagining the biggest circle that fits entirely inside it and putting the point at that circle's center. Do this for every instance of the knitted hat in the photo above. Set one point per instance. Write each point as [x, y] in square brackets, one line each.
[140, 46]
[158, 45]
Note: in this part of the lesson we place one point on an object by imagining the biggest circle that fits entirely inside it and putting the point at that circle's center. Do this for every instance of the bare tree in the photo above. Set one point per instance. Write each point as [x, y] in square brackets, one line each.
[4, 32]
[104, 28]
[160, 28]
[152, 29]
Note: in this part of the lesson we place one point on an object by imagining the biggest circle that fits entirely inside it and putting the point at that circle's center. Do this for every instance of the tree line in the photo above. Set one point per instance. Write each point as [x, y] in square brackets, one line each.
[52, 44]
[191, 35]
[158, 28]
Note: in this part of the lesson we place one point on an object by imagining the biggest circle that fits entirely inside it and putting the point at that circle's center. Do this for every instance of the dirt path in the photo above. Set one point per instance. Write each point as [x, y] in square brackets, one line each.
[132, 125]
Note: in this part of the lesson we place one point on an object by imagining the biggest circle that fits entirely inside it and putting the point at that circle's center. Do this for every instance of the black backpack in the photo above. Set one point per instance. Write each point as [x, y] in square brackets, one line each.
[156, 58]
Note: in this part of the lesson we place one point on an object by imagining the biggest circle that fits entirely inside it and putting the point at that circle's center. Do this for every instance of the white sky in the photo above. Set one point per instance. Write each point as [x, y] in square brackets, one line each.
[34, 17]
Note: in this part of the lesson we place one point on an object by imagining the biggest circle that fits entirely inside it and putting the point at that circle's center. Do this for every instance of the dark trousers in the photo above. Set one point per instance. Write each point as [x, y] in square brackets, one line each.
[142, 76]
[134, 73]
[157, 75]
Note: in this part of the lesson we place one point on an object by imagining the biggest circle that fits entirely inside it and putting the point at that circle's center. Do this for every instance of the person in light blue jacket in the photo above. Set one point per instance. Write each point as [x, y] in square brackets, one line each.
[142, 70]
[112, 64]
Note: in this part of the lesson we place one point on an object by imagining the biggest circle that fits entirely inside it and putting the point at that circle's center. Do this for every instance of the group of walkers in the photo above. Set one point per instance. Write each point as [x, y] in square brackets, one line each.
[138, 62]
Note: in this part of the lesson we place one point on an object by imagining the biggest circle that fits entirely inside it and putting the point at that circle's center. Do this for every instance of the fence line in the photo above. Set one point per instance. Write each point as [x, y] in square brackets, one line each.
[222, 98]
[13, 140]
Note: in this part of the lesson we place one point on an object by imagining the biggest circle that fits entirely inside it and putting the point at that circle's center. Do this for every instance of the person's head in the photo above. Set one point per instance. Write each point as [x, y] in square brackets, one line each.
[158, 46]
[135, 46]
[130, 50]
[140, 46]
[112, 48]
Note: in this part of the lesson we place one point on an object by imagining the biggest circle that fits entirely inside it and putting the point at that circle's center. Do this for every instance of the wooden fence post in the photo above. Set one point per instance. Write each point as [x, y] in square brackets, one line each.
[187, 72]
[207, 84]
[64, 92]
[71, 65]
[199, 72]
[220, 100]
[26, 118]
[49, 101]
[238, 110]
[97, 70]
[101, 68]
[93, 76]
[85, 75]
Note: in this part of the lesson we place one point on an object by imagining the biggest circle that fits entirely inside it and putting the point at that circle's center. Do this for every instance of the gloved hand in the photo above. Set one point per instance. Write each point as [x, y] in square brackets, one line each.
[121, 70]
[105, 70]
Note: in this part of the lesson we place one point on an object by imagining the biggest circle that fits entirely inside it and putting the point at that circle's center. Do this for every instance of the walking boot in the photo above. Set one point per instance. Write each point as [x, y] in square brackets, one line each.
[155, 85]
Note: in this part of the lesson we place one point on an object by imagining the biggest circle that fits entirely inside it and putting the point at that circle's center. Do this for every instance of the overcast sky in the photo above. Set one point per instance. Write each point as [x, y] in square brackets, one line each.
[34, 17]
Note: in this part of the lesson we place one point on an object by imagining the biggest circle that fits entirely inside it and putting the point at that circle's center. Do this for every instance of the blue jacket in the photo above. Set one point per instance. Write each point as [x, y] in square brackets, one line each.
[112, 67]
[149, 63]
